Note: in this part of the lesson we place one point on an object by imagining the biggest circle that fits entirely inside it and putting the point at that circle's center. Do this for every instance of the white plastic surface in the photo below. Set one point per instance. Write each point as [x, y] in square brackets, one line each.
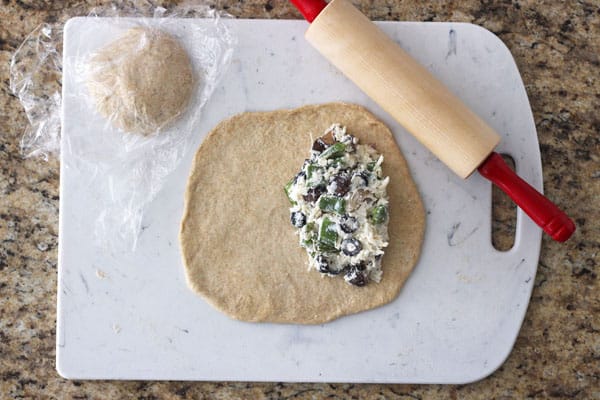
[131, 316]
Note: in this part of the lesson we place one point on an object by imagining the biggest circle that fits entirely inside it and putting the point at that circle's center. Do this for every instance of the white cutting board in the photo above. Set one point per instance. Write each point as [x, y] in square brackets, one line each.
[455, 320]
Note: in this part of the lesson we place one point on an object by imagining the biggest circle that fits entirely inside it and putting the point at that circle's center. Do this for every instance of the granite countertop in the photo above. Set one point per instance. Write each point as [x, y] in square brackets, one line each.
[556, 46]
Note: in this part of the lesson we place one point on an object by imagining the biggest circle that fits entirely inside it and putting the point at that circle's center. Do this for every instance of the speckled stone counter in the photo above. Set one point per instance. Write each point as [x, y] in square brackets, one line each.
[557, 355]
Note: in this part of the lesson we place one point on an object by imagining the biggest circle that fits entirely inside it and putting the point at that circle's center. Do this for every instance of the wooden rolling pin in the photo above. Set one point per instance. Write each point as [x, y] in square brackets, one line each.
[421, 103]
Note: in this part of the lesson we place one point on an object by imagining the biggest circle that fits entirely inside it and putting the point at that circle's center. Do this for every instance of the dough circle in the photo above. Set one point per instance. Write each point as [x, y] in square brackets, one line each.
[142, 81]
[239, 249]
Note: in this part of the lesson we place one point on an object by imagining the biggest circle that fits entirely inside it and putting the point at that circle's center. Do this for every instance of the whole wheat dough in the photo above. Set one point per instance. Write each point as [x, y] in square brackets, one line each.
[239, 248]
[142, 81]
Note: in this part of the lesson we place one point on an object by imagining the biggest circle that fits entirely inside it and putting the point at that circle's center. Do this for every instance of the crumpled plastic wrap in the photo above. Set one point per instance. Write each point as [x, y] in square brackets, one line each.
[35, 75]
[131, 167]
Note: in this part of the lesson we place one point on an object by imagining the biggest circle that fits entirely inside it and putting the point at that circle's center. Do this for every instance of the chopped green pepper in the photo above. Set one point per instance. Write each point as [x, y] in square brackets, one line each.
[327, 237]
[310, 172]
[371, 165]
[309, 233]
[332, 204]
[310, 168]
[378, 214]
[338, 162]
[333, 151]
[287, 188]
[307, 242]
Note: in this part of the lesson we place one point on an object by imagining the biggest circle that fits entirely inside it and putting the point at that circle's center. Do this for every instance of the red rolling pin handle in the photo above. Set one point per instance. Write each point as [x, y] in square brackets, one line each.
[541, 210]
[309, 8]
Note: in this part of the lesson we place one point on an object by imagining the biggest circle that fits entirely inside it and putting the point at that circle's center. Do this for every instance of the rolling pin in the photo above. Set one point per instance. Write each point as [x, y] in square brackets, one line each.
[421, 104]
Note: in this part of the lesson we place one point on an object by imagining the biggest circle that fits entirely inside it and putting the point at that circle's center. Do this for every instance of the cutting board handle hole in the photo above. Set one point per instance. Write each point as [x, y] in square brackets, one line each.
[504, 215]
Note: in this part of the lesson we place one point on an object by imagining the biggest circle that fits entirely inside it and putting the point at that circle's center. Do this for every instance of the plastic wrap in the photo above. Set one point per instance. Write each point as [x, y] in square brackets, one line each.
[129, 162]
[35, 78]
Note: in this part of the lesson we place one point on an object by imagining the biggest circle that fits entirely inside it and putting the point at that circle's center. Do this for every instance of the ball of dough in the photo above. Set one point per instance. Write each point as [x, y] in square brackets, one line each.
[142, 81]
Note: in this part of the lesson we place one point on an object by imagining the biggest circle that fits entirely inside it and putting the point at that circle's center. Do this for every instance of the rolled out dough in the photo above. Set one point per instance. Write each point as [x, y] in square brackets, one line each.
[239, 248]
